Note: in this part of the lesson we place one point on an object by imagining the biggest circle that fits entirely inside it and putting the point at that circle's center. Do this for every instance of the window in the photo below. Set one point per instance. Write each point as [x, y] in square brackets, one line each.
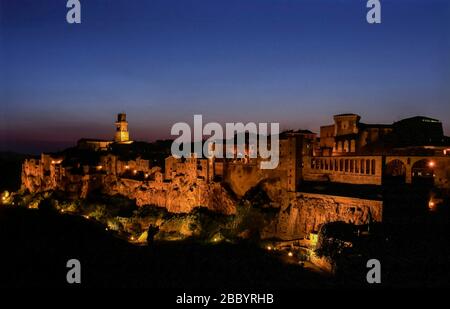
[341, 165]
[346, 165]
[367, 167]
[373, 167]
[346, 146]
[351, 166]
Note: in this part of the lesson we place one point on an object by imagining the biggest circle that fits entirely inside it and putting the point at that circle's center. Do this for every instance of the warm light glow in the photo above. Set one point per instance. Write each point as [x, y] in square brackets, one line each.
[269, 248]
[431, 205]
[53, 162]
[431, 164]
[99, 167]
[146, 175]
[132, 238]
[290, 254]
[135, 172]
[215, 239]
[127, 167]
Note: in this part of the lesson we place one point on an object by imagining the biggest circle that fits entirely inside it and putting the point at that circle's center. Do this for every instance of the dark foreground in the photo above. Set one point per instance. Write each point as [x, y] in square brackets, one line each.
[35, 247]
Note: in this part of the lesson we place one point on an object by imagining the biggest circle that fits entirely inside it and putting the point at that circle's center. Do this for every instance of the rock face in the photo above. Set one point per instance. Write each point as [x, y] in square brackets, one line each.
[305, 212]
[299, 213]
[178, 196]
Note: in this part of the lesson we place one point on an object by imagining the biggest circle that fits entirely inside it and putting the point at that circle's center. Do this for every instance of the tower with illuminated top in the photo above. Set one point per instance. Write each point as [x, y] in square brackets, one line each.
[122, 135]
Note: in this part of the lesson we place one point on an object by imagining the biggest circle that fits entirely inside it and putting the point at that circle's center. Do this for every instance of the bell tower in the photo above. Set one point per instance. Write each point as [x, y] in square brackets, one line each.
[122, 135]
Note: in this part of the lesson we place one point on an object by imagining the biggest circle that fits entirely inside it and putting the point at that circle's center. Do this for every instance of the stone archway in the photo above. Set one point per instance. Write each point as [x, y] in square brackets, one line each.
[422, 172]
[395, 171]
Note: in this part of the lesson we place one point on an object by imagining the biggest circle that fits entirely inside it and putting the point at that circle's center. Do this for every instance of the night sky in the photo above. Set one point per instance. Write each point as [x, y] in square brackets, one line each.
[294, 62]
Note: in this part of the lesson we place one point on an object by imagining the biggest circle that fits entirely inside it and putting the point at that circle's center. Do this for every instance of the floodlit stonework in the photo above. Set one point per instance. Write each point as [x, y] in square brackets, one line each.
[180, 185]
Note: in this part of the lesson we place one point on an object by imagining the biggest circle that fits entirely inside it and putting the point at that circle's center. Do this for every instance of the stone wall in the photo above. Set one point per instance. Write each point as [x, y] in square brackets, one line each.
[178, 196]
[441, 168]
[300, 213]
[363, 170]
[241, 177]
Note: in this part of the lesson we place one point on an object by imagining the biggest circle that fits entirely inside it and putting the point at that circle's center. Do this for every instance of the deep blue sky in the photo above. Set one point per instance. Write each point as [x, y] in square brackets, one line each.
[294, 62]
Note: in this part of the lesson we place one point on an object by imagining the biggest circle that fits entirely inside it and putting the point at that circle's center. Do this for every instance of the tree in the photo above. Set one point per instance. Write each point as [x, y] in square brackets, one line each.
[151, 233]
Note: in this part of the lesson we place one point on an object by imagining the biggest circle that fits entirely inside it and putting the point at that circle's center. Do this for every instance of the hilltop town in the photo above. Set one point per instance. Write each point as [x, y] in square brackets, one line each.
[336, 176]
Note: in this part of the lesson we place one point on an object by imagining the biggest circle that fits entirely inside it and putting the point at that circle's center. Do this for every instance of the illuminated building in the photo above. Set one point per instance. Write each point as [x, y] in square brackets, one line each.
[122, 135]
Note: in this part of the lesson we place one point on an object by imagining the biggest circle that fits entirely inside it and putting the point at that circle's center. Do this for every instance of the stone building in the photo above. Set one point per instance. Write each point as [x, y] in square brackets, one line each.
[122, 135]
[94, 144]
[349, 136]
[419, 131]
[191, 168]
[357, 153]
[296, 148]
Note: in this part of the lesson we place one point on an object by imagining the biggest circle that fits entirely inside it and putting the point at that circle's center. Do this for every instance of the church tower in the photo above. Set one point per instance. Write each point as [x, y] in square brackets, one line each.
[122, 136]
